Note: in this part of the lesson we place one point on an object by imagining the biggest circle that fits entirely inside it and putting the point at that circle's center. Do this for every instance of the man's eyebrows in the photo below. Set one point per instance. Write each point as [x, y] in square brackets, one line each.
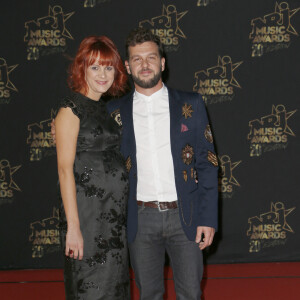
[152, 53]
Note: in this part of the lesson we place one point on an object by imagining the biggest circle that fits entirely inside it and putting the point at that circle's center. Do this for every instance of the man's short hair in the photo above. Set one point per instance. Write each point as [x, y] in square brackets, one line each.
[141, 35]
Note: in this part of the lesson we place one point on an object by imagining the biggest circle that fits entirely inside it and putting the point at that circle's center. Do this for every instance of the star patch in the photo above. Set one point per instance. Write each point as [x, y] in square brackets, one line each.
[187, 154]
[187, 110]
[208, 134]
[117, 116]
[128, 164]
[211, 157]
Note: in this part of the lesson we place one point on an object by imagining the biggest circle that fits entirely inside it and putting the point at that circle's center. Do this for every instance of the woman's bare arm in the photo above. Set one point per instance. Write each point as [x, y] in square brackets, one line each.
[67, 128]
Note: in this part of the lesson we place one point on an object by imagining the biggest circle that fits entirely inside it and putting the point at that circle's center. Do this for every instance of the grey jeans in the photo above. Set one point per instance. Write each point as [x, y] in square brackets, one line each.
[159, 232]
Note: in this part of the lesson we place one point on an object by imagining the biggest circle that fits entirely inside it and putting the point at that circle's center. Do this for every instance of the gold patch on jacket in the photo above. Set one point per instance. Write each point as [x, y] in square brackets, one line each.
[211, 157]
[208, 134]
[117, 116]
[187, 154]
[185, 177]
[187, 110]
[128, 164]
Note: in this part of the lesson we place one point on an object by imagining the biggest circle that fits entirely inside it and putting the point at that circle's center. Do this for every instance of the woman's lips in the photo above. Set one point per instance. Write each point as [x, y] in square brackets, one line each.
[101, 82]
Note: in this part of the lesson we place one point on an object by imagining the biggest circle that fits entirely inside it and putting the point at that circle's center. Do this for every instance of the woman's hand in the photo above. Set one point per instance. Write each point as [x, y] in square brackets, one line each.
[74, 243]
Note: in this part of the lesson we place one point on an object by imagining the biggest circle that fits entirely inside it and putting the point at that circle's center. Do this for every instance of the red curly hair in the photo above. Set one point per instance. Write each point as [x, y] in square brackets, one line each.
[90, 49]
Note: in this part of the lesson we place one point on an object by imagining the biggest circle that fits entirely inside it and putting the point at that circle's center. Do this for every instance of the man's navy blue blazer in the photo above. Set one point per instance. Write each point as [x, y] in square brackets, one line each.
[193, 156]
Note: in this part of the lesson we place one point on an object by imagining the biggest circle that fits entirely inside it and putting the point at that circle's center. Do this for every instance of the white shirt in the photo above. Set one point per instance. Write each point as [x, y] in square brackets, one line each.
[155, 170]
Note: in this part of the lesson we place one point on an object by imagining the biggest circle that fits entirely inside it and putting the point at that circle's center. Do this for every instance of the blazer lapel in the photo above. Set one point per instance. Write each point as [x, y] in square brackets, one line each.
[175, 116]
[128, 128]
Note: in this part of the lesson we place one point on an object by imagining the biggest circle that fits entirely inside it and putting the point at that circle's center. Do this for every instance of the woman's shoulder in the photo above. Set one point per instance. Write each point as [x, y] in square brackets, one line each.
[74, 102]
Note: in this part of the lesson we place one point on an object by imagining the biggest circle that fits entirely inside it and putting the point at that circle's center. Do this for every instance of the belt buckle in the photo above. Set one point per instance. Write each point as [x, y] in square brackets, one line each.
[159, 209]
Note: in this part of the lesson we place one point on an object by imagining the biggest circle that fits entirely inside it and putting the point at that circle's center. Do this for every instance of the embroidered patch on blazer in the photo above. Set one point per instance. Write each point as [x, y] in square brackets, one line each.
[117, 116]
[211, 157]
[187, 154]
[185, 177]
[184, 128]
[208, 134]
[187, 110]
[128, 164]
[195, 176]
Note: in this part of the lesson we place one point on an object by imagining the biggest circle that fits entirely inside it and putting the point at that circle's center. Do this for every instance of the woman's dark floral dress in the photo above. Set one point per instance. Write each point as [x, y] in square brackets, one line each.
[102, 190]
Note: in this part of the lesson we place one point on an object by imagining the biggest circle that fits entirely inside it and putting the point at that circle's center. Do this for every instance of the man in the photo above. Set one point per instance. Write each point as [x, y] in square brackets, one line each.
[172, 166]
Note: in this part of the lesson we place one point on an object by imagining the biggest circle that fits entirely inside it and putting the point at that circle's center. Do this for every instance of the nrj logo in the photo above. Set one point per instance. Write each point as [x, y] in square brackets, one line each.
[273, 31]
[45, 235]
[166, 26]
[204, 2]
[270, 132]
[217, 83]
[227, 181]
[40, 139]
[47, 34]
[6, 86]
[7, 184]
[93, 3]
[269, 229]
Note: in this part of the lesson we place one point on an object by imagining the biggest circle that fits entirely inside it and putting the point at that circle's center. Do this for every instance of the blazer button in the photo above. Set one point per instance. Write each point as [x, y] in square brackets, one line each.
[134, 175]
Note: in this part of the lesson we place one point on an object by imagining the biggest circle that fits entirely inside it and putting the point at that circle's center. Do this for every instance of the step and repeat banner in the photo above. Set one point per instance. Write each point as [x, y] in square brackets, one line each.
[241, 56]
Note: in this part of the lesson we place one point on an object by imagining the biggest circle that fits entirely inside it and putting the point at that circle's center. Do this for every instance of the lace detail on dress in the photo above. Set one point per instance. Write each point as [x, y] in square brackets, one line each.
[76, 109]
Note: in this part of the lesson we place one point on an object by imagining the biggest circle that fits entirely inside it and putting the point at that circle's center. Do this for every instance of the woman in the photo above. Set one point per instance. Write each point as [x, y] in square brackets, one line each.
[92, 176]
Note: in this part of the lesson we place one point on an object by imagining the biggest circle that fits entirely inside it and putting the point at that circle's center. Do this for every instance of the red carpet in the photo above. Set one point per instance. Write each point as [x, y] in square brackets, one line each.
[265, 281]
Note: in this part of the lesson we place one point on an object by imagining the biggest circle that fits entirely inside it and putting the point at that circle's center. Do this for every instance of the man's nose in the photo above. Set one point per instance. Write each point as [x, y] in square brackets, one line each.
[145, 63]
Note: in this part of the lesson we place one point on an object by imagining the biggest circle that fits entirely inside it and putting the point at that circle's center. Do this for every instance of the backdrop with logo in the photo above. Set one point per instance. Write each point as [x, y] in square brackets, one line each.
[242, 56]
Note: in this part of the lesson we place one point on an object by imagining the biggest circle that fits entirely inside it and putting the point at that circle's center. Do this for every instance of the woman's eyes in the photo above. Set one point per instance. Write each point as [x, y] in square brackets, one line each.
[96, 68]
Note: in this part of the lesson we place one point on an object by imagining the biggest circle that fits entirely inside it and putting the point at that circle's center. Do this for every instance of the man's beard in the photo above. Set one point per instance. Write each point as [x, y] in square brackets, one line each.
[149, 83]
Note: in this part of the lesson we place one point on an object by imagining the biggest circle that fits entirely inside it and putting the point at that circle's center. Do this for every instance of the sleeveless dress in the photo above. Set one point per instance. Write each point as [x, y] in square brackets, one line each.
[102, 191]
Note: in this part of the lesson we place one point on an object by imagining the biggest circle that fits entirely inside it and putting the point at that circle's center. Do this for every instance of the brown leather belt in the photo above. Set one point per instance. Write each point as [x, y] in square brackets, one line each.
[162, 206]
